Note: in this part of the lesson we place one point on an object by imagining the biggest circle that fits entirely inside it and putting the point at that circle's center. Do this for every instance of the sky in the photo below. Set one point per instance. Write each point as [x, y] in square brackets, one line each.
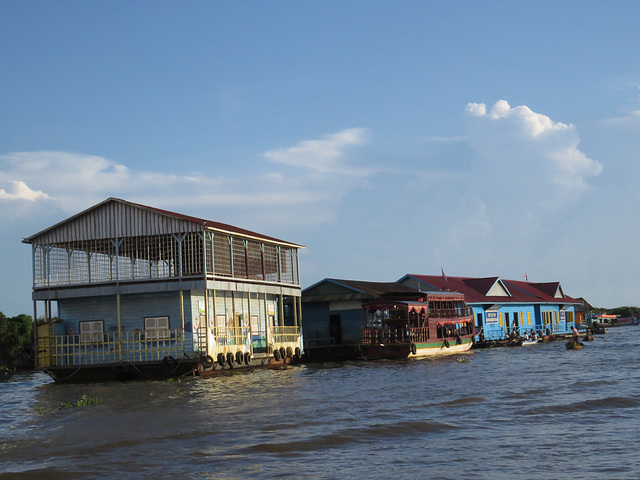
[492, 138]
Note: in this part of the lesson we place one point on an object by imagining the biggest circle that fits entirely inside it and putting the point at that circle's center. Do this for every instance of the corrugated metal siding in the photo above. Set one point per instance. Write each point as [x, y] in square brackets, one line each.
[114, 219]
[133, 310]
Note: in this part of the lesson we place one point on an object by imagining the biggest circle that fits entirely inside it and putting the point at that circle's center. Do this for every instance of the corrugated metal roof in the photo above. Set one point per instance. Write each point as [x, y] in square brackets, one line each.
[117, 218]
[476, 290]
[376, 289]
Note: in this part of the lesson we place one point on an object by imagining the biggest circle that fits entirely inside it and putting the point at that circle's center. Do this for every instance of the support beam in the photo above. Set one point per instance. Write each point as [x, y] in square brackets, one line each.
[119, 328]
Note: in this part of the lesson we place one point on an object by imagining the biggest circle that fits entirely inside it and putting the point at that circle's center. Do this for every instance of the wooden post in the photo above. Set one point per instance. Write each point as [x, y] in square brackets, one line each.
[35, 333]
[206, 317]
[295, 310]
[182, 321]
[119, 328]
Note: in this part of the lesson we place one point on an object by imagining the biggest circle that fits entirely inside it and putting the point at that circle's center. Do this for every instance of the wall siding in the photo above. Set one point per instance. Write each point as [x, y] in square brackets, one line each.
[133, 310]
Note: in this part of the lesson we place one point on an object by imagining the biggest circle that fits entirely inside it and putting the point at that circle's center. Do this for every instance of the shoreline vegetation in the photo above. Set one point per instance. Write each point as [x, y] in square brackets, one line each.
[16, 342]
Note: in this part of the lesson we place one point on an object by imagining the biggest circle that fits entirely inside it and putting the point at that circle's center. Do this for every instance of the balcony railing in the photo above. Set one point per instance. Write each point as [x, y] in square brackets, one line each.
[285, 334]
[450, 312]
[106, 348]
[395, 335]
[235, 336]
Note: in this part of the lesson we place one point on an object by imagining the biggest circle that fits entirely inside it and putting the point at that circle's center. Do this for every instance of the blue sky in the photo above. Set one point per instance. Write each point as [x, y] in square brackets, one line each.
[484, 138]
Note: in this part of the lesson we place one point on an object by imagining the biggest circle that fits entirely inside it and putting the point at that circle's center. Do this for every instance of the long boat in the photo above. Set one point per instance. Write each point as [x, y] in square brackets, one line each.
[429, 323]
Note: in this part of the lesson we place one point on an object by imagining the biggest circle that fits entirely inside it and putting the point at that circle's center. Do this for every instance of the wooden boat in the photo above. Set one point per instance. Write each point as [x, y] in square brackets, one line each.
[529, 342]
[427, 323]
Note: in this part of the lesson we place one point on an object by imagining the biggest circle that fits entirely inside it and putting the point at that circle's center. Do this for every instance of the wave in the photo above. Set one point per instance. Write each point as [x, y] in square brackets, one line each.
[374, 433]
[603, 404]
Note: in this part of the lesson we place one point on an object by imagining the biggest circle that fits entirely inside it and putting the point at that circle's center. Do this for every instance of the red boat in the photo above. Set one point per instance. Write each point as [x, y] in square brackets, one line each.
[425, 324]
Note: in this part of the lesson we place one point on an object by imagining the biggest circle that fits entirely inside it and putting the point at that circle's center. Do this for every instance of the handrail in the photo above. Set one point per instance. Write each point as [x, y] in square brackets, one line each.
[450, 312]
[103, 348]
[285, 334]
[497, 332]
[237, 336]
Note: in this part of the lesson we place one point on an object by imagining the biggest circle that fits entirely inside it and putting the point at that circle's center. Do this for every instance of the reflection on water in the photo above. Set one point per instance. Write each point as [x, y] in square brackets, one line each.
[529, 412]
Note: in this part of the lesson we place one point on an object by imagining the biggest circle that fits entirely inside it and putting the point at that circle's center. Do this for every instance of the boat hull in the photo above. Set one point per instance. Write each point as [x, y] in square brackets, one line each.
[393, 351]
[121, 371]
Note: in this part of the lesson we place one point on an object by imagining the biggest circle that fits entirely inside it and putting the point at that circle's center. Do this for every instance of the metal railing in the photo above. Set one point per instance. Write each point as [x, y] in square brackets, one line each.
[497, 332]
[228, 336]
[450, 312]
[395, 335]
[104, 348]
[285, 334]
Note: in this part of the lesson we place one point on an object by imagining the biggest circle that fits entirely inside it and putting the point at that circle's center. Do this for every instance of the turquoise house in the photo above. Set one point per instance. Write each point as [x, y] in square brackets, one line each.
[504, 306]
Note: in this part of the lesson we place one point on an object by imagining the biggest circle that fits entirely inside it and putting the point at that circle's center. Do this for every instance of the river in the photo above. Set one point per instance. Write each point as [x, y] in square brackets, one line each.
[533, 412]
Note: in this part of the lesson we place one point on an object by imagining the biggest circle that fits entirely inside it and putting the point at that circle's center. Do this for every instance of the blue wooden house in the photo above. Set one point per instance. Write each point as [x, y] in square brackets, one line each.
[502, 306]
[130, 291]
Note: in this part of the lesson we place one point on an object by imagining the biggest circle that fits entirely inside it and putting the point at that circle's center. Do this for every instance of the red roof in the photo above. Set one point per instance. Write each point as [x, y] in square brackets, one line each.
[477, 290]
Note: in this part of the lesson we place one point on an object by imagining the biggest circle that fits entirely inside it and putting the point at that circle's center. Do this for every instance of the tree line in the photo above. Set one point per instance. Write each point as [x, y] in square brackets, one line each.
[622, 312]
[16, 341]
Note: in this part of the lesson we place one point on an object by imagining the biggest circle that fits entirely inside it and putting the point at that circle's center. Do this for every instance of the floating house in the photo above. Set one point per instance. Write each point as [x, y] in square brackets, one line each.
[333, 309]
[131, 291]
[501, 307]
[349, 319]
[333, 314]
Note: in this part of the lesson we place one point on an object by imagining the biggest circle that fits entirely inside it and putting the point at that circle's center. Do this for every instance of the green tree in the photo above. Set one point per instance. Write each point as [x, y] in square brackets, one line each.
[16, 339]
[624, 312]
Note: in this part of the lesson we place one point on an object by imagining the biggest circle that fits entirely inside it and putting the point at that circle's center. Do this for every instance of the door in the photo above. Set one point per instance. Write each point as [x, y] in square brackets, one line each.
[335, 328]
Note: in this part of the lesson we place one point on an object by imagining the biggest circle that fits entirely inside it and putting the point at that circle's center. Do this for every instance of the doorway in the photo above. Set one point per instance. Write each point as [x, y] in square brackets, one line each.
[335, 328]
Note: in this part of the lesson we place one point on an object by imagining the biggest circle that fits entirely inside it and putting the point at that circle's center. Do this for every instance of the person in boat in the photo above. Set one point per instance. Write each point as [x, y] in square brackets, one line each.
[532, 334]
[588, 337]
[576, 335]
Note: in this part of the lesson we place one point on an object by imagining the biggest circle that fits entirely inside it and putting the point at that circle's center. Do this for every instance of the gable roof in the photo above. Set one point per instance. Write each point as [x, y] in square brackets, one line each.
[495, 290]
[114, 218]
[332, 289]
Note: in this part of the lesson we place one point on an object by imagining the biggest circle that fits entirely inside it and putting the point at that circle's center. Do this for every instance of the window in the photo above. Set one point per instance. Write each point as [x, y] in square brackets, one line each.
[92, 331]
[156, 327]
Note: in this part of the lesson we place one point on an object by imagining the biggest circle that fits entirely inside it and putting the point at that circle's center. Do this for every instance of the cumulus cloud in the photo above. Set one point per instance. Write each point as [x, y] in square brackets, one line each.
[324, 155]
[530, 123]
[518, 145]
[18, 190]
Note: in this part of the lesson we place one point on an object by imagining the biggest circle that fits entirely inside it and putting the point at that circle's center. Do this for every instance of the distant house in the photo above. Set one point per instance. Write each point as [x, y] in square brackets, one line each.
[332, 309]
[502, 306]
[144, 292]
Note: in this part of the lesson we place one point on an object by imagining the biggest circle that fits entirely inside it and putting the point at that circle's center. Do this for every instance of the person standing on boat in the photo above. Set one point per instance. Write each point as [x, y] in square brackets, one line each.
[576, 335]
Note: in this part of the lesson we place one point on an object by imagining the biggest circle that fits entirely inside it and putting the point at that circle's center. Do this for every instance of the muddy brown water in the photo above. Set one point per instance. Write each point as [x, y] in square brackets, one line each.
[530, 412]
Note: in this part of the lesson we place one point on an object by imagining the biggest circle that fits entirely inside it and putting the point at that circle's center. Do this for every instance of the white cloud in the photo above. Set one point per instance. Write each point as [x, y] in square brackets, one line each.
[255, 200]
[18, 190]
[324, 155]
[530, 123]
[520, 151]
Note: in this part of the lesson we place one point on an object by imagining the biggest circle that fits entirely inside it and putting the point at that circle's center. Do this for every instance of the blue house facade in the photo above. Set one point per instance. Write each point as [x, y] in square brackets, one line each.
[501, 307]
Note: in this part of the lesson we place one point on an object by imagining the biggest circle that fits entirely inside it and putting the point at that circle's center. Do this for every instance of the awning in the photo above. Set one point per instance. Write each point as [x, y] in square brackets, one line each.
[415, 309]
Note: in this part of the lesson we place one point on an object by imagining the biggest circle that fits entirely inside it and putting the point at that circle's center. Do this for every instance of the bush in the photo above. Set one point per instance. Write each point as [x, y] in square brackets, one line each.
[16, 340]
